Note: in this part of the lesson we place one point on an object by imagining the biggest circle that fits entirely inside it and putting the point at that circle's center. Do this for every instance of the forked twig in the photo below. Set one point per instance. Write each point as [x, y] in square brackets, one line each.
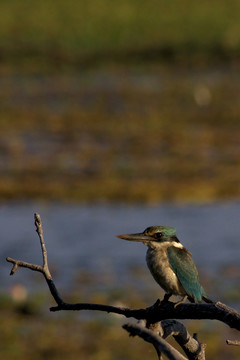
[41, 268]
[159, 343]
[44, 269]
[190, 344]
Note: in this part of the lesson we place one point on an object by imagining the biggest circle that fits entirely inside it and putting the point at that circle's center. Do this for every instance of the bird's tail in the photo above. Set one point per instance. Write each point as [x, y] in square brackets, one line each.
[207, 300]
[205, 297]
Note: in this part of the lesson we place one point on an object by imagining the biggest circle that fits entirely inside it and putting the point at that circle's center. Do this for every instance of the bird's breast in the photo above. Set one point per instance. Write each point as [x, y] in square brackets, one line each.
[158, 264]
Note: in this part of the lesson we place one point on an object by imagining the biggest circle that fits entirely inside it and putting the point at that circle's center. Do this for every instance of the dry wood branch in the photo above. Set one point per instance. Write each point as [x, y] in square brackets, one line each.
[19, 263]
[191, 346]
[233, 342]
[158, 342]
[152, 315]
[40, 268]
[163, 310]
[39, 230]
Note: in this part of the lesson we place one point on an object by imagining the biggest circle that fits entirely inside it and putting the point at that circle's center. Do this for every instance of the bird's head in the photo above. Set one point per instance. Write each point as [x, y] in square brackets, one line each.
[153, 234]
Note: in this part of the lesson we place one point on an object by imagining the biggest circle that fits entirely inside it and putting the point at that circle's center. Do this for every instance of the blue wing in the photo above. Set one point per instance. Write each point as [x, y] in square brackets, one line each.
[186, 271]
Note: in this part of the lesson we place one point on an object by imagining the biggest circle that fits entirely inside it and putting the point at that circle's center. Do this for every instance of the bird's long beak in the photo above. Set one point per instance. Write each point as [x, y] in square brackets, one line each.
[135, 237]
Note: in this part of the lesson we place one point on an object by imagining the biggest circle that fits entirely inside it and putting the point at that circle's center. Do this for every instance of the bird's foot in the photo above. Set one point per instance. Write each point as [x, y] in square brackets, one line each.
[180, 302]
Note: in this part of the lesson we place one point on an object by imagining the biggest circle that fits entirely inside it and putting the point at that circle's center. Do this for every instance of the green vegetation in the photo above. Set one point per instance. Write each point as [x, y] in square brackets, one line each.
[58, 32]
[119, 101]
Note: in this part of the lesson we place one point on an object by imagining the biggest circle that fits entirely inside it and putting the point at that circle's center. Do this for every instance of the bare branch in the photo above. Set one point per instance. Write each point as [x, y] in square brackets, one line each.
[153, 314]
[39, 230]
[191, 346]
[214, 311]
[19, 263]
[233, 342]
[40, 268]
[158, 342]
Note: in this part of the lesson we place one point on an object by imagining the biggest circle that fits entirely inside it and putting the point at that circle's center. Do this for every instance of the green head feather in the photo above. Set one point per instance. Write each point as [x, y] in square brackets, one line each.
[166, 231]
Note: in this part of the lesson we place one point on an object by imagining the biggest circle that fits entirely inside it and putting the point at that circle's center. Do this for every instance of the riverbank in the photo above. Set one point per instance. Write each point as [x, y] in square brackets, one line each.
[135, 134]
[119, 102]
[70, 34]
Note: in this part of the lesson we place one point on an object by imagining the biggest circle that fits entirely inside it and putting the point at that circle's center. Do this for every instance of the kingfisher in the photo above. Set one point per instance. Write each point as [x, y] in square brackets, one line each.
[170, 263]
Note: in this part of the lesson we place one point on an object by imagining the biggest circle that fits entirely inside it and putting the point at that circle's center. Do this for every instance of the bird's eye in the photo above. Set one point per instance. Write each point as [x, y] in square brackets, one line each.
[158, 235]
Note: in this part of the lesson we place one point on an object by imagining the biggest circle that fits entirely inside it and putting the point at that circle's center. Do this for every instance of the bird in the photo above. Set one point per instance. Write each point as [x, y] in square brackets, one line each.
[170, 264]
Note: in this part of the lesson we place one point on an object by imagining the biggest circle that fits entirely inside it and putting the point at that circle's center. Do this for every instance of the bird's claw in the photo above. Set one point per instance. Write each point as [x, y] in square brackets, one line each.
[182, 301]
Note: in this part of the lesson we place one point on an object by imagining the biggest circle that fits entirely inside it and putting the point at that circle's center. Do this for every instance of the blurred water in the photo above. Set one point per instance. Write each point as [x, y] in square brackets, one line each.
[82, 237]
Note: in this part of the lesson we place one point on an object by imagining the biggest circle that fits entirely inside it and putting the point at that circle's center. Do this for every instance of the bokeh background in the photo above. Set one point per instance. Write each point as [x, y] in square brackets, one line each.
[115, 116]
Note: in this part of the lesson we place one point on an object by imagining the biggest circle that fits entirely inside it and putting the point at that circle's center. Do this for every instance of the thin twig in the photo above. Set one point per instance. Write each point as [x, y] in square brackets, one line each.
[233, 342]
[39, 230]
[44, 269]
[19, 263]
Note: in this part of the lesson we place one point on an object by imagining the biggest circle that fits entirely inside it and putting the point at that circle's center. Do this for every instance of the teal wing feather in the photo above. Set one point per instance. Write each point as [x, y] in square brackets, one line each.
[182, 264]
